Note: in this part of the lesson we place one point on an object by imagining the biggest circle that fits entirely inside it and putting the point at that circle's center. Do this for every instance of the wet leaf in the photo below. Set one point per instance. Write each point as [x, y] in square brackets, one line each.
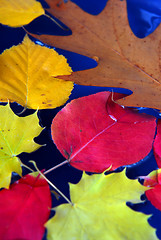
[157, 144]
[16, 136]
[123, 60]
[29, 76]
[96, 133]
[100, 211]
[25, 207]
[153, 180]
[16, 13]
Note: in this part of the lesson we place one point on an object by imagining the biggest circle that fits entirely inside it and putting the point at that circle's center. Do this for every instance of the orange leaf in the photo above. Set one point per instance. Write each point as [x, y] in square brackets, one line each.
[123, 60]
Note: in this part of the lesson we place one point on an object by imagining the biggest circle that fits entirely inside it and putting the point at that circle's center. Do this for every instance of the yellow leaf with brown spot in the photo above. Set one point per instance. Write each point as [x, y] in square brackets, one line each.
[28, 75]
[16, 136]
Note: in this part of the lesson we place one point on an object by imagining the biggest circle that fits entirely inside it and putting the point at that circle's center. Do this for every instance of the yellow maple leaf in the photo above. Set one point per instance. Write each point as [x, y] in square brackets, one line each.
[28, 74]
[16, 136]
[16, 13]
[99, 211]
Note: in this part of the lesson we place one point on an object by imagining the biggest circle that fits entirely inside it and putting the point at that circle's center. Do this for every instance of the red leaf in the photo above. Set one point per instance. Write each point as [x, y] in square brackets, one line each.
[96, 133]
[24, 209]
[153, 195]
[157, 144]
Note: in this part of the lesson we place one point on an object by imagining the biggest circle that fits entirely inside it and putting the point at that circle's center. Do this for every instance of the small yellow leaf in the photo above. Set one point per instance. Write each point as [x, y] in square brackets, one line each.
[16, 136]
[16, 13]
[28, 76]
[100, 211]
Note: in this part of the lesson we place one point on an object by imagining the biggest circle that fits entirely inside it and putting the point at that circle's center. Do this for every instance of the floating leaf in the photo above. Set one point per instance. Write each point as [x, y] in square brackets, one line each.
[96, 133]
[16, 13]
[123, 60]
[16, 136]
[144, 16]
[99, 211]
[153, 180]
[157, 144]
[28, 74]
[25, 207]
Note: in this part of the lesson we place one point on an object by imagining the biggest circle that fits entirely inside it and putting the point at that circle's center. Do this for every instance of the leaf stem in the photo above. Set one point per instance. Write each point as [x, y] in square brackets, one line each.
[24, 109]
[24, 165]
[51, 184]
[53, 168]
[56, 22]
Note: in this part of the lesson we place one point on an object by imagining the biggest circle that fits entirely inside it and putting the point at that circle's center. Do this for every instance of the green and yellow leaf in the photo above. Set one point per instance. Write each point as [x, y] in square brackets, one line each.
[99, 211]
[28, 75]
[16, 136]
[16, 13]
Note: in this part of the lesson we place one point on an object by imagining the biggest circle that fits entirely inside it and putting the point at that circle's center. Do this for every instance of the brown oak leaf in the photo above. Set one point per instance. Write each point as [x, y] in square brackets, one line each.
[123, 60]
